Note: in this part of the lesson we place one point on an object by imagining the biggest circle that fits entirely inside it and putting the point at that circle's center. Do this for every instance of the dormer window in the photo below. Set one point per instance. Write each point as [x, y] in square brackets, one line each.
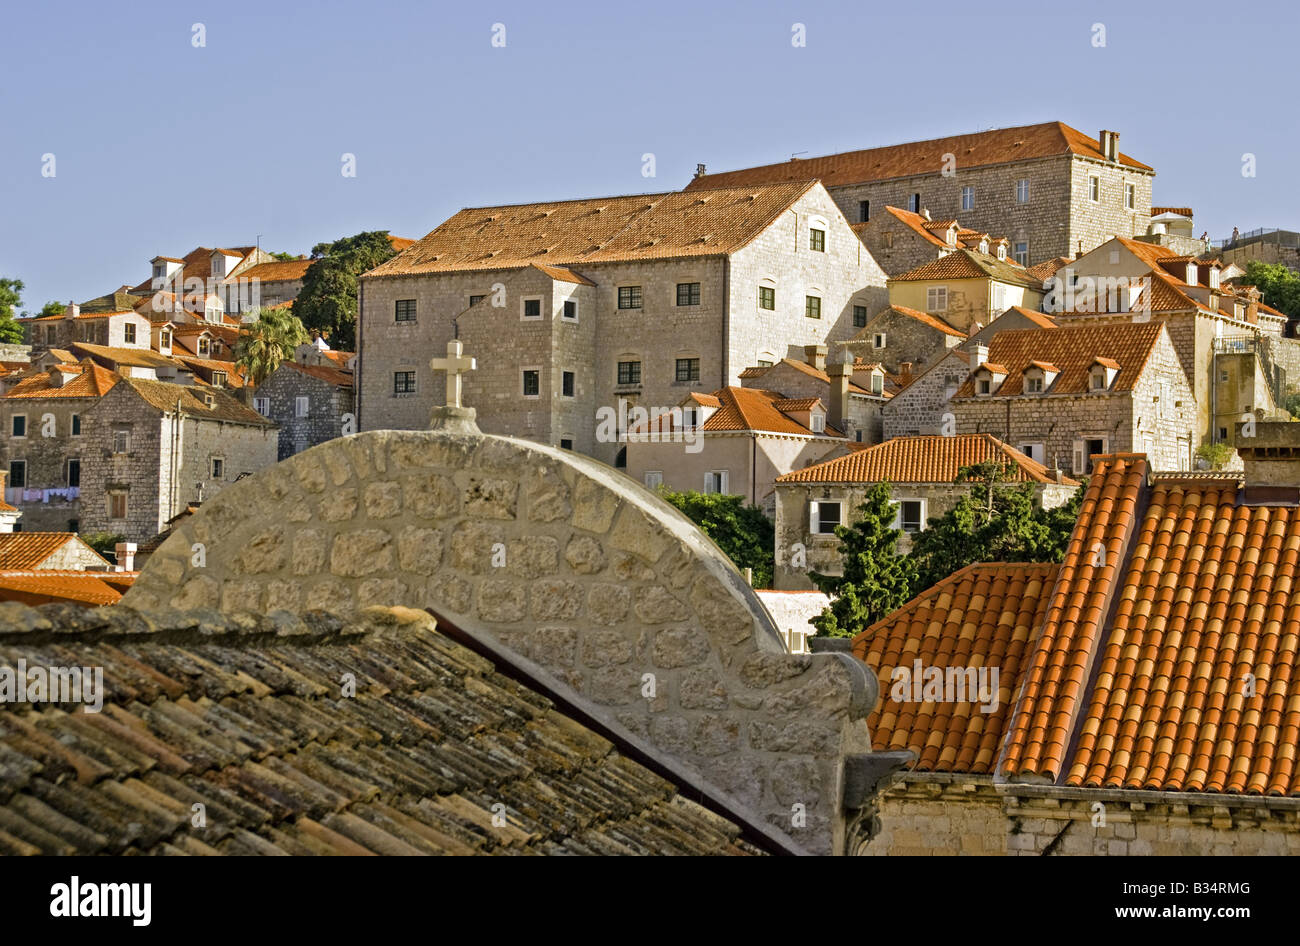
[984, 246]
[205, 347]
[983, 386]
[158, 271]
[1002, 251]
[936, 299]
[1038, 377]
[1191, 273]
[1214, 277]
[218, 379]
[1034, 384]
[817, 423]
[1098, 382]
[877, 383]
[164, 339]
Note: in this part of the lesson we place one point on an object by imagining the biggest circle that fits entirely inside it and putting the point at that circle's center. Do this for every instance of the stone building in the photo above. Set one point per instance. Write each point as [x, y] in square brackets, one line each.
[966, 288]
[1061, 395]
[921, 405]
[309, 403]
[271, 284]
[921, 472]
[151, 447]
[1050, 189]
[1268, 245]
[44, 418]
[1177, 739]
[734, 441]
[853, 394]
[900, 240]
[124, 329]
[905, 341]
[47, 551]
[572, 306]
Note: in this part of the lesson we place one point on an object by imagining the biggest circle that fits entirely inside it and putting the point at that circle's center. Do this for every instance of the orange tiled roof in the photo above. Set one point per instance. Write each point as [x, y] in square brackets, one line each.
[82, 316]
[49, 586]
[1047, 268]
[750, 409]
[966, 263]
[1180, 211]
[278, 271]
[25, 550]
[91, 381]
[400, 243]
[1040, 319]
[333, 375]
[978, 149]
[1075, 349]
[197, 264]
[1057, 674]
[914, 222]
[561, 274]
[925, 318]
[923, 459]
[597, 230]
[982, 616]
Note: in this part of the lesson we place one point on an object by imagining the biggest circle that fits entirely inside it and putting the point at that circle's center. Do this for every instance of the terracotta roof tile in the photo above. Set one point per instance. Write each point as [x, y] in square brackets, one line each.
[925, 318]
[597, 230]
[335, 376]
[924, 459]
[27, 550]
[978, 149]
[163, 395]
[983, 616]
[968, 264]
[914, 222]
[278, 271]
[1047, 268]
[560, 274]
[90, 381]
[50, 586]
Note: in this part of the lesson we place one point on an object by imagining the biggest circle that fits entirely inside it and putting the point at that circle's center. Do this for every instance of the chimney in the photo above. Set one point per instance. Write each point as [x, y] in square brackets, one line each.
[980, 353]
[1252, 304]
[905, 370]
[124, 552]
[1109, 141]
[61, 374]
[1272, 461]
[699, 170]
[72, 311]
[925, 212]
[815, 355]
[838, 409]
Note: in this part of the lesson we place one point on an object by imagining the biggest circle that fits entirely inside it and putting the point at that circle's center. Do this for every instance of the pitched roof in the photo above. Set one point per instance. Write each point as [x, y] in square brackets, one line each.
[969, 264]
[917, 224]
[197, 264]
[163, 395]
[131, 357]
[334, 376]
[977, 149]
[1074, 349]
[27, 550]
[117, 301]
[278, 271]
[597, 230]
[560, 274]
[91, 381]
[205, 366]
[47, 586]
[803, 368]
[923, 459]
[925, 318]
[1047, 268]
[981, 616]
[414, 763]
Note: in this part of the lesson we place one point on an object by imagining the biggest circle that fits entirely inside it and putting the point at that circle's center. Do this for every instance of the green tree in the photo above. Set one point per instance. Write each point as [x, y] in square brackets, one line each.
[1216, 455]
[328, 300]
[105, 543]
[1279, 286]
[876, 580]
[743, 533]
[11, 292]
[52, 308]
[285, 257]
[996, 521]
[266, 341]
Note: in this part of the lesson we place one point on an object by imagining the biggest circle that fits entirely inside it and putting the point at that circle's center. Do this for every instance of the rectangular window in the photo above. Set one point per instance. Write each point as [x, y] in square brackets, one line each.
[17, 472]
[817, 423]
[218, 379]
[812, 307]
[74, 472]
[936, 299]
[1034, 384]
[688, 369]
[629, 297]
[983, 386]
[688, 293]
[859, 316]
[218, 468]
[566, 443]
[629, 372]
[164, 339]
[262, 405]
[1084, 450]
[76, 425]
[532, 308]
[1094, 188]
[300, 406]
[566, 384]
[654, 479]
[1022, 191]
[403, 382]
[1020, 253]
[878, 340]
[1099, 380]
[1033, 450]
[20, 425]
[823, 517]
[715, 481]
[877, 384]
[911, 515]
[128, 333]
[570, 311]
[766, 297]
[1130, 196]
[121, 441]
[817, 240]
[968, 198]
[404, 310]
[117, 505]
[475, 300]
[914, 203]
[864, 211]
[532, 383]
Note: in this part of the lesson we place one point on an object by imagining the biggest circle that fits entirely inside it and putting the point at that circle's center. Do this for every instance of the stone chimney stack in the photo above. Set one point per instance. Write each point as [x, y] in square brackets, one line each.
[1271, 456]
[125, 555]
[925, 212]
[1109, 142]
[72, 311]
[837, 411]
[700, 170]
[815, 355]
[905, 370]
[979, 354]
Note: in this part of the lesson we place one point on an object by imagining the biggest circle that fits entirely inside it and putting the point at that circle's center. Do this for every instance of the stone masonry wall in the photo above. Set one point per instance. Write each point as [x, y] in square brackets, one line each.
[597, 584]
[46, 457]
[326, 405]
[919, 407]
[929, 814]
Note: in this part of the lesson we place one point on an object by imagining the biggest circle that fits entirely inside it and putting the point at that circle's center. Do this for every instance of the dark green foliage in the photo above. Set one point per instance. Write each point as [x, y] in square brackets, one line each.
[105, 543]
[328, 300]
[10, 299]
[876, 579]
[1279, 285]
[743, 533]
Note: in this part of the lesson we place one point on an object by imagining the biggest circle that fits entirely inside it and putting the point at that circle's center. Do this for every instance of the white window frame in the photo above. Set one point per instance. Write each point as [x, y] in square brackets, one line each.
[262, 405]
[1130, 196]
[1081, 453]
[968, 197]
[302, 406]
[816, 521]
[569, 318]
[984, 386]
[722, 482]
[1022, 191]
[936, 299]
[523, 371]
[523, 308]
[898, 515]
[654, 479]
[125, 436]
[1094, 188]
[1035, 382]
[213, 472]
[817, 422]
[1017, 254]
[1035, 450]
[878, 340]
[1093, 375]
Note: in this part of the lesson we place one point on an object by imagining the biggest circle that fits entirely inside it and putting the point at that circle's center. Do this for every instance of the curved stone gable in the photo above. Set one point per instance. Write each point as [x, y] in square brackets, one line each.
[567, 564]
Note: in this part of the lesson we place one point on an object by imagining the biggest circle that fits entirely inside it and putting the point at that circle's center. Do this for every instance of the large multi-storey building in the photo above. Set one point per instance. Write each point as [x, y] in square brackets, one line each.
[1050, 189]
[573, 306]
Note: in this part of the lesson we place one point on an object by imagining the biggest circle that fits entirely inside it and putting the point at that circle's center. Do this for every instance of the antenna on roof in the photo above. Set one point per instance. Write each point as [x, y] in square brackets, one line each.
[796, 154]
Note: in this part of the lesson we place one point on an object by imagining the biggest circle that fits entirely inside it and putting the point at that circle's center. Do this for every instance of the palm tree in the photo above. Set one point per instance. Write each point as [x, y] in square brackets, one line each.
[266, 341]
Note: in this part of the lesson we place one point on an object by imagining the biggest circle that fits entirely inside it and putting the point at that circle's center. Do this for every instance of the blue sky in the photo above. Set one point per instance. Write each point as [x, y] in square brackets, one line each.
[160, 146]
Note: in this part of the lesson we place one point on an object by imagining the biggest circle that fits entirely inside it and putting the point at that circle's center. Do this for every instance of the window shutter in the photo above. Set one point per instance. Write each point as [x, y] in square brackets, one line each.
[814, 519]
[722, 482]
[1080, 456]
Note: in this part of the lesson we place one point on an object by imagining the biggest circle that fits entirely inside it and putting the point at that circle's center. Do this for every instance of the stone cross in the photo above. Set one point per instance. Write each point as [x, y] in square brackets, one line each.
[455, 364]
